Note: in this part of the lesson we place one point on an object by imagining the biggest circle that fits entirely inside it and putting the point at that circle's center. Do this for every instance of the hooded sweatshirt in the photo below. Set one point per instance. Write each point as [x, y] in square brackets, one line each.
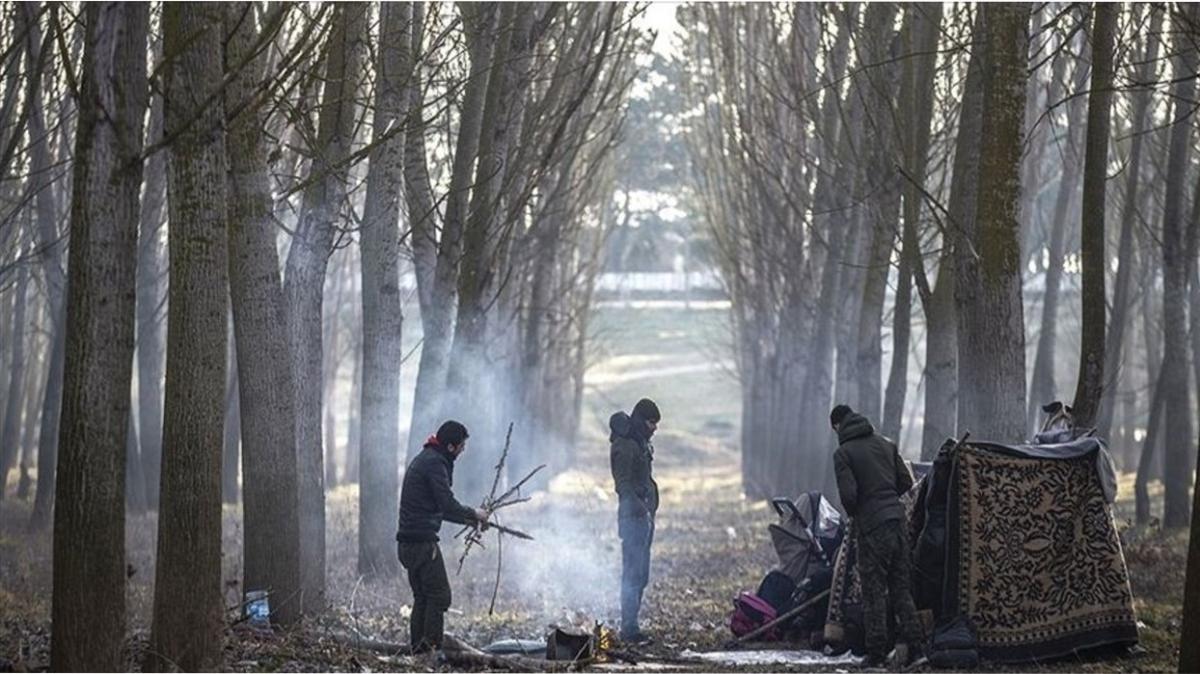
[871, 474]
[630, 457]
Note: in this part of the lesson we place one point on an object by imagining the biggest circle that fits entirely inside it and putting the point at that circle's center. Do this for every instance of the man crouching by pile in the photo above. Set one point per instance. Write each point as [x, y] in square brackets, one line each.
[871, 477]
[425, 502]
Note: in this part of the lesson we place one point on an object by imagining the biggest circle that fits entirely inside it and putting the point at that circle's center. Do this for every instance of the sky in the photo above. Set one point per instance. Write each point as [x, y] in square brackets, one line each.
[660, 17]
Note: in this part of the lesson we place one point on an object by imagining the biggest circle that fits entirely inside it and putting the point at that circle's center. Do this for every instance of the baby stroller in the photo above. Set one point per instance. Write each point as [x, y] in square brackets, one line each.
[807, 539]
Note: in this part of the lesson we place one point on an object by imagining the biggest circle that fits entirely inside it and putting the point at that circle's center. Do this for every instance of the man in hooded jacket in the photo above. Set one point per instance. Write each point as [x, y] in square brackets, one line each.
[631, 456]
[871, 478]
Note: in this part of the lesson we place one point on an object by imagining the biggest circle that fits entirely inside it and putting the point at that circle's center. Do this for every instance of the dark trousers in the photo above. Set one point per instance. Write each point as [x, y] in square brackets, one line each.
[636, 534]
[885, 568]
[431, 593]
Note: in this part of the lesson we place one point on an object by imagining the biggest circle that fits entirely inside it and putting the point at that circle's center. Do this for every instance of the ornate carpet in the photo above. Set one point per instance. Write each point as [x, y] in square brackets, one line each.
[1033, 557]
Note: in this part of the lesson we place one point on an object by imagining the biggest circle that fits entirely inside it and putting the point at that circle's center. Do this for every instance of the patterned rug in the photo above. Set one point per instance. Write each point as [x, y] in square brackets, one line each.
[1032, 557]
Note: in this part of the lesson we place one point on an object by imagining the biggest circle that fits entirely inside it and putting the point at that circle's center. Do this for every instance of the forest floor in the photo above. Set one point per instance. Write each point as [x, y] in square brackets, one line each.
[710, 544]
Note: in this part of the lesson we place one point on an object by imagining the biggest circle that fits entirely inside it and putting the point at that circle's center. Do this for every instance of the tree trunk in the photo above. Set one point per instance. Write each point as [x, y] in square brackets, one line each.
[883, 208]
[478, 277]
[151, 328]
[382, 317]
[992, 326]
[944, 377]
[135, 480]
[52, 246]
[88, 604]
[10, 432]
[1095, 172]
[1189, 638]
[307, 260]
[917, 99]
[437, 314]
[266, 393]
[1122, 300]
[230, 463]
[330, 364]
[354, 423]
[1043, 387]
[1179, 458]
[1145, 464]
[37, 383]
[186, 631]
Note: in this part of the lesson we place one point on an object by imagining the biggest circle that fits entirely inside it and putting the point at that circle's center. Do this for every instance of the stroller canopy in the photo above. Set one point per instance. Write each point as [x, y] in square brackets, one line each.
[808, 534]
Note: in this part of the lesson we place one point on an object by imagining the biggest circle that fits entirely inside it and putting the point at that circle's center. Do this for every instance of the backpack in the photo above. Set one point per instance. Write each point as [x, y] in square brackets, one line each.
[751, 612]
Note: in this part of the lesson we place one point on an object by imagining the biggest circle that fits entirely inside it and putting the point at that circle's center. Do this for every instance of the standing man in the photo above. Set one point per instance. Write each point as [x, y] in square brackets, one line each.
[425, 502]
[871, 477]
[630, 456]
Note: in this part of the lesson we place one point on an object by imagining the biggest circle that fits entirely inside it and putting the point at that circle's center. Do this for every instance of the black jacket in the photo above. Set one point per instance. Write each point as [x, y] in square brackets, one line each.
[630, 457]
[871, 474]
[426, 499]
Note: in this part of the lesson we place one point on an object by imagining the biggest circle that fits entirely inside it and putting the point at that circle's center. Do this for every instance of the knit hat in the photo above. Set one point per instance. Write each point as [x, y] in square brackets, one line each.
[451, 433]
[838, 414]
[645, 409]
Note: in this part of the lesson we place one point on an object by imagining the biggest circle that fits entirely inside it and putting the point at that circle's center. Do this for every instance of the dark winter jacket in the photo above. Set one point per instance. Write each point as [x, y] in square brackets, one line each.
[630, 458]
[871, 474]
[426, 499]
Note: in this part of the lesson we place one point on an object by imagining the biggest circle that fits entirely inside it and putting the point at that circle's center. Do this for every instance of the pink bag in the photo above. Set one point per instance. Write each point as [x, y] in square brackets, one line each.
[751, 612]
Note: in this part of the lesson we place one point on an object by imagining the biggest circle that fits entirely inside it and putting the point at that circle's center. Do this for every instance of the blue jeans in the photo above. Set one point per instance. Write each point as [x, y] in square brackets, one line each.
[637, 534]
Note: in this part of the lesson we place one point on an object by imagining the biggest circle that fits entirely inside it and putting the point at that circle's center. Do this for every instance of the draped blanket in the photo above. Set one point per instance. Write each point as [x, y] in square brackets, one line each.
[1027, 550]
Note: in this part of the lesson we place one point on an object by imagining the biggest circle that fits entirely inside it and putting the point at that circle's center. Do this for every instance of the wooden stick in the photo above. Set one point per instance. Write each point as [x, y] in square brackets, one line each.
[749, 636]
[499, 564]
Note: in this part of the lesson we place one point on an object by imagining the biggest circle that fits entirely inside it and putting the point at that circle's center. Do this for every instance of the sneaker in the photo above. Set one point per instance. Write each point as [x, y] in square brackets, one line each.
[907, 657]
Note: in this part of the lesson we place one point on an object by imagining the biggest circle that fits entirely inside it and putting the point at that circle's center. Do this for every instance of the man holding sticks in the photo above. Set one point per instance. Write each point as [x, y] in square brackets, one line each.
[426, 500]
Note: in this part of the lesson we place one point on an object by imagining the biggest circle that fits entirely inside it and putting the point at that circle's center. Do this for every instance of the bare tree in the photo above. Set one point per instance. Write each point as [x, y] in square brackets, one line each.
[88, 604]
[188, 609]
[267, 403]
[1095, 173]
[381, 307]
[304, 280]
[991, 336]
[1173, 377]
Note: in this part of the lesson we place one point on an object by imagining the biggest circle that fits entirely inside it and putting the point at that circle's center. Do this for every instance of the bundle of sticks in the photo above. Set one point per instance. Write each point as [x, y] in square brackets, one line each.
[491, 505]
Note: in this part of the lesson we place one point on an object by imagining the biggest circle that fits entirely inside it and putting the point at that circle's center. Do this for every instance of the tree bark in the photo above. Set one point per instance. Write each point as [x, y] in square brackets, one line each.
[992, 326]
[1095, 173]
[1179, 457]
[188, 613]
[52, 270]
[1189, 638]
[230, 449]
[307, 261]
[478, 276]
[266, 392]
[151, 328]
[1043, 387]
[37, 383]
[917, 101]
[437, 314]
[382, 313]
[10, 431]
[883, 208]
[88, 603]
[1122, 300]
